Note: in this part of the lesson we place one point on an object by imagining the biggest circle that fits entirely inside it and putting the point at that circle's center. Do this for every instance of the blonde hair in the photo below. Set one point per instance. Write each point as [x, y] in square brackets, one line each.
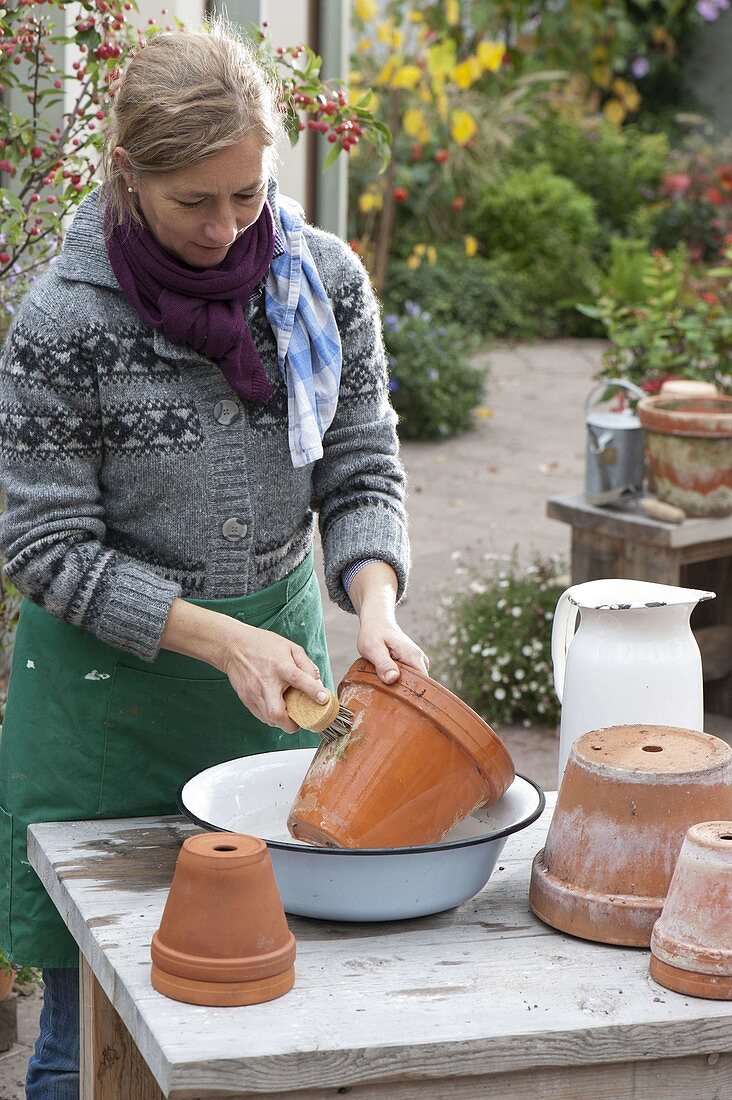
[183, 97]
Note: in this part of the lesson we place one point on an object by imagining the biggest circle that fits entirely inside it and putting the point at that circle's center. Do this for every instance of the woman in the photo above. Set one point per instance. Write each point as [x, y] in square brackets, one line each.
[196, 377]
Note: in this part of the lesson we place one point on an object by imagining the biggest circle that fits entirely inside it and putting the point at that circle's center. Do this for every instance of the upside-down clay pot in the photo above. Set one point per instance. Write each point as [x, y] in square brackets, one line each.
[416, 762]
[223, 938]
[627, 798]
[689, 449]
[691, 943]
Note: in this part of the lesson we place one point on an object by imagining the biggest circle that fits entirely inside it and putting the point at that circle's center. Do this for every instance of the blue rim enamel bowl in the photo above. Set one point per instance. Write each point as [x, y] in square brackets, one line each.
[253, 795]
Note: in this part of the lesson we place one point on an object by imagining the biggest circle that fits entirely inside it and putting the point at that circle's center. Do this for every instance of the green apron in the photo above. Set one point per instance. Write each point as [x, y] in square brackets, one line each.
[93, 732]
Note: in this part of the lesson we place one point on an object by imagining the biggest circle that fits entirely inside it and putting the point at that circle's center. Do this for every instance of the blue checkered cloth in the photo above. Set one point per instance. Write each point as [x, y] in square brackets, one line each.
[308, 343]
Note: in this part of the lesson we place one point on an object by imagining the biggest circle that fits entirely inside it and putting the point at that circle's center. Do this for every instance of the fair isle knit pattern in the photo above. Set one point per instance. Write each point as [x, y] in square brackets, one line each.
[133, 473]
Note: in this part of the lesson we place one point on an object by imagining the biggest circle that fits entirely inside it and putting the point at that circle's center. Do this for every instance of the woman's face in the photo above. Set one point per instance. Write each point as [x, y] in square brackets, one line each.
[196, 213]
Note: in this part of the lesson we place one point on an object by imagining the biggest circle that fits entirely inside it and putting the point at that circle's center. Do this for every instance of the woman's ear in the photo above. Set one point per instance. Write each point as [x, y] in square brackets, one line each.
[122, 164]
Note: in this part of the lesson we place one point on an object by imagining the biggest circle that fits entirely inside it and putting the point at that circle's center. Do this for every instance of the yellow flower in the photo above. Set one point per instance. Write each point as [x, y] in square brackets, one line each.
[420, 249]
[369, 201]
[490, 55]
[355, 78]
[431, 255]
[441, 60]
[601, 75]
[413, 262]
[364, 45]
[466, 73]
[408, 76]
[386, 73]
[442, 106]
[471, 245]
[397, 38]
[415, 124]
[462, 126]
[366, 9]
[614, 111]
[383, 32]
[414, 17]
[452, 12]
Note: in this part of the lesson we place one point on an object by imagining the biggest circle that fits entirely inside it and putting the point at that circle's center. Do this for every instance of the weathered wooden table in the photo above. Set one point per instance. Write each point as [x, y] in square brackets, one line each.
[483, 1001]
[696, 554]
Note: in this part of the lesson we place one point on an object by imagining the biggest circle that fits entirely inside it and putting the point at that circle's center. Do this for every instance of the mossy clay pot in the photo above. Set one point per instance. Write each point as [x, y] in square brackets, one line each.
[223, 938]
[691, 943]
[628, 796]
[416, 762]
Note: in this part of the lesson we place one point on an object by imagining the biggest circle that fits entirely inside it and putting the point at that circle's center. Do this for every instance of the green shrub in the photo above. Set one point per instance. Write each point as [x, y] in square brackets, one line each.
[433, 387]
[484, 296]
[498, 643]
[620, 168]
[548, 229]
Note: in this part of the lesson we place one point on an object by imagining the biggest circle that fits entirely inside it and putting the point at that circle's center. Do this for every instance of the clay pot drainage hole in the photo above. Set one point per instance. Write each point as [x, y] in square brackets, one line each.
[652, 748]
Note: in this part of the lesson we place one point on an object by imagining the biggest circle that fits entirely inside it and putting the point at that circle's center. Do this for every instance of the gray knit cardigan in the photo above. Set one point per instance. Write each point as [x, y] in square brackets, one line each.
[134, 474]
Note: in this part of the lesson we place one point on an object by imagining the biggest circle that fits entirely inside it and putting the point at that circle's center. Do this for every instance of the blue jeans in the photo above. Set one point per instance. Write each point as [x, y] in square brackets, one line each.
[53, 1070]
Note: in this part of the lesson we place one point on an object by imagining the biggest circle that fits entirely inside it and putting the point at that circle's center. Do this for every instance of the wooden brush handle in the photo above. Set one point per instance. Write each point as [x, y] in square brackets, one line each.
[309, 714]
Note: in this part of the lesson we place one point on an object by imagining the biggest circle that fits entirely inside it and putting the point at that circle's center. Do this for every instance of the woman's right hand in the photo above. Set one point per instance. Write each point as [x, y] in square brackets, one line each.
[259, 663]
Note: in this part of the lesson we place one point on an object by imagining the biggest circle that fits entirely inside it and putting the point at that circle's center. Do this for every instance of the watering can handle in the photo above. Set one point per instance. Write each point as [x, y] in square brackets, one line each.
[630, 386]
[565, 618]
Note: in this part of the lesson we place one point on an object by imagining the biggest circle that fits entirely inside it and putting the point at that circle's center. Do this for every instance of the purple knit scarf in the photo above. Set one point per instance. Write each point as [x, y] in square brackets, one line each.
[201, 308]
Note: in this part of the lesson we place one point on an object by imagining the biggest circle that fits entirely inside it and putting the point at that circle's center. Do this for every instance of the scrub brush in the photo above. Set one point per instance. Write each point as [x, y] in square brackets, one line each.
[331, 720]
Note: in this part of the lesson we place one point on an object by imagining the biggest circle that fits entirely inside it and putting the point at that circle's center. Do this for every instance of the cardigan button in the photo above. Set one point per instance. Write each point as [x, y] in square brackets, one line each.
[233, 529]
[226, 412]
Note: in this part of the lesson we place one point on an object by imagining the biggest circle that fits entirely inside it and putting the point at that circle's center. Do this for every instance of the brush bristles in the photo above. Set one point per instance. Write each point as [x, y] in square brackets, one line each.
[340, 726]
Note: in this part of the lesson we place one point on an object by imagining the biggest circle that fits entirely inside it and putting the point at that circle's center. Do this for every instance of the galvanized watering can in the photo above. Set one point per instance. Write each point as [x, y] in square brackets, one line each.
[615, 448]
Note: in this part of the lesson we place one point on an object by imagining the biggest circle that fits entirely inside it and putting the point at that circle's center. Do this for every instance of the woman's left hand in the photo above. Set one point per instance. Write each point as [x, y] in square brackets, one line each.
[383, 643]
[380, 639]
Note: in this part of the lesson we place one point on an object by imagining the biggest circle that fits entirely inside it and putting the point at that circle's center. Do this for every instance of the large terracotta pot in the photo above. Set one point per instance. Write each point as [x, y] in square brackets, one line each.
[691, 943]
[416, 762]
[627, 798]
[7, 981]
[223, 938]
[689, 450]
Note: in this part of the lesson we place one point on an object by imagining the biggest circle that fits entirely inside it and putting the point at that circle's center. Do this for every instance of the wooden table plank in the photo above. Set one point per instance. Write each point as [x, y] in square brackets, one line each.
[483, 989]
[620, 523]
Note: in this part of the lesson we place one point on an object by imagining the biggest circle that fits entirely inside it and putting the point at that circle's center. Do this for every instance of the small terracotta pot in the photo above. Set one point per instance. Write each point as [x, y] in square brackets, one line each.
[689, 451]
[7, 981]
[416, 762]
[223, 938]
[627, 798]
[691, 943]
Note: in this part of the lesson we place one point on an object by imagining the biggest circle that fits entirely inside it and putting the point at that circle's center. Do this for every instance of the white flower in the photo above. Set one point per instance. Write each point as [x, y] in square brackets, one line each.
[496, 675]
[499, 693]
[527, 650]
[519, 674]
[503, 584]
[517, 612]
[501, 604]
[478, 587]
[476, 648]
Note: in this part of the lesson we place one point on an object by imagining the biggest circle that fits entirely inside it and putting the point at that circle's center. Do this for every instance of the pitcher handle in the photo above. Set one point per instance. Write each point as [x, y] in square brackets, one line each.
[610, 383]
[565, 618]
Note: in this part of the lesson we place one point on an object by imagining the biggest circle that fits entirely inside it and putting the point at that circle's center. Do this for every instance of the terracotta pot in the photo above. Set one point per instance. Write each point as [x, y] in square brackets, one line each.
[416, 762]
[223, 938]
[627, 798]
[689, 451]
[7, 981]
[691, 942]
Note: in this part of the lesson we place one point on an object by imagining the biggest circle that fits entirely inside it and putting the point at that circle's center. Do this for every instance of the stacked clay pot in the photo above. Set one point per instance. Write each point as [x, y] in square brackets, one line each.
[223, 938]
[416, 762]
[628, 796]
[691, 944]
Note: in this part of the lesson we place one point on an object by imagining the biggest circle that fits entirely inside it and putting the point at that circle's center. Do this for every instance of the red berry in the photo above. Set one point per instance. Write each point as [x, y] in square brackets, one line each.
[332, 138]
[458, 202]
[400, 194]
[36, 152]
[441, 156]
[4, 257]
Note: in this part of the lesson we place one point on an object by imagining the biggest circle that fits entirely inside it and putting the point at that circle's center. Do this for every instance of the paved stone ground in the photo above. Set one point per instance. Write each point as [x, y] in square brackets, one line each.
[483, 493]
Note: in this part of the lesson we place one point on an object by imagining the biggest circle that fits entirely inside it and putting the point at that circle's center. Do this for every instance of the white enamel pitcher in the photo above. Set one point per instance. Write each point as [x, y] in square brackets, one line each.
[633, 658]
